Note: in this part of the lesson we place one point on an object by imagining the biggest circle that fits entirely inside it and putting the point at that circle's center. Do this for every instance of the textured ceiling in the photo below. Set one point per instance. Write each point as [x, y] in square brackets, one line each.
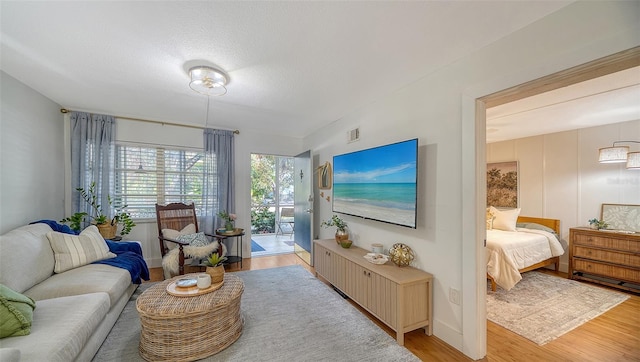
[293, 66]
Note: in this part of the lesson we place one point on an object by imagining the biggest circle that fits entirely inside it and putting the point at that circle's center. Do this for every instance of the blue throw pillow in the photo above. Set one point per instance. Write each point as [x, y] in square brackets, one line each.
[197, 239]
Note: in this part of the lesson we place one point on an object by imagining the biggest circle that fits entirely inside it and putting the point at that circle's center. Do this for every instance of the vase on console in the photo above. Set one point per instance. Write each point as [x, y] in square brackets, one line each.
[342, 235]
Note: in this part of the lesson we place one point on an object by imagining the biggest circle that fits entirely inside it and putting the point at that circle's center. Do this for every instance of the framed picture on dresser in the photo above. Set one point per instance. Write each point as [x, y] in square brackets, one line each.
[621, 216]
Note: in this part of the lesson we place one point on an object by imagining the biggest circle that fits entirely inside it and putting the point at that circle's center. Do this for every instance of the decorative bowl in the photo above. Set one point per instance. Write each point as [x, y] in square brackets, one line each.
[376, 258]
[346, 243]
[236, 231]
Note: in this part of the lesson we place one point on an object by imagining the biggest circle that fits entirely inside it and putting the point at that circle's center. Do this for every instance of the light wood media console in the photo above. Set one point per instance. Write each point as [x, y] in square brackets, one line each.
[400, 297]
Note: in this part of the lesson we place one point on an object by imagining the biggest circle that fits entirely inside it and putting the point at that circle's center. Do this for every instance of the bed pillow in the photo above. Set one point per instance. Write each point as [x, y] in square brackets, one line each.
[490, 218]
[536, 226]
[73, 251]
[16, 313]
[174, 234]
[505, 219]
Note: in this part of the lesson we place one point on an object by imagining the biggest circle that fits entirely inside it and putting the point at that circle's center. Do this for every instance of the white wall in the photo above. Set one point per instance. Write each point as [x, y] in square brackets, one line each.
[31, 154]
[438, 110]
[560, 177]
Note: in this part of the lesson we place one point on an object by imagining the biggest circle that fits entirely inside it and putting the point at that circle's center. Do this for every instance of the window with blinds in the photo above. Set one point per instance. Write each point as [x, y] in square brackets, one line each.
[146, 175]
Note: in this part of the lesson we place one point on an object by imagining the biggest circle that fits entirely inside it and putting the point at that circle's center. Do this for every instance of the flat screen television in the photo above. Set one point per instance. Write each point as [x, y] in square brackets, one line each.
[378, 183]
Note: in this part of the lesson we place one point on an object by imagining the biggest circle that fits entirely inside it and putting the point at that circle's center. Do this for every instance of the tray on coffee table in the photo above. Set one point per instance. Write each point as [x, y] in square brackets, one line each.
[193, 291]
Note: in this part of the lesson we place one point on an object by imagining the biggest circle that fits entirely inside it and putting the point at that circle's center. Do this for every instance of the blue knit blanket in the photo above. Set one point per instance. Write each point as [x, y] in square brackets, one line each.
[128, 254]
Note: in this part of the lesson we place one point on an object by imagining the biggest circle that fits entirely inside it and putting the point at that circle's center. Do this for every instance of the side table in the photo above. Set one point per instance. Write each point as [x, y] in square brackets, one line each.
[238, 257]
[189, 328]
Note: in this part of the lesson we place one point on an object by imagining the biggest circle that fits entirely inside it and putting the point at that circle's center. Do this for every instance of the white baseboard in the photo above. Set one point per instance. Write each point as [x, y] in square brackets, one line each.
[154, 262]
[448, 334]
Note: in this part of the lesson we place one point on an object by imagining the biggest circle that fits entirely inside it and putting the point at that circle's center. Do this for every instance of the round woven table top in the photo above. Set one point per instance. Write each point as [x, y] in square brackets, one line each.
[155, 302]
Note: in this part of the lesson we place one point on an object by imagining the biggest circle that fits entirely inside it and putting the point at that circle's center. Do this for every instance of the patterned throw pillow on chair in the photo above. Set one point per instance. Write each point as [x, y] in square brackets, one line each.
[196, 239]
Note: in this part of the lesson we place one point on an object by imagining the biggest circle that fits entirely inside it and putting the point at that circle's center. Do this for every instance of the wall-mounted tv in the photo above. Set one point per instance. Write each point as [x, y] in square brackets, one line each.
[378, 183]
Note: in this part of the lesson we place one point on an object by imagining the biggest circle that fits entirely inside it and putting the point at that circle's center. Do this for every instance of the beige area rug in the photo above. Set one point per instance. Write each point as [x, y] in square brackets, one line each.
[543, 307]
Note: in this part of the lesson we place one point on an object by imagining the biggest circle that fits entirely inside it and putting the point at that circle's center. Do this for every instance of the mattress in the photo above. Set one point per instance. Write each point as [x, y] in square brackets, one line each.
[510, 251]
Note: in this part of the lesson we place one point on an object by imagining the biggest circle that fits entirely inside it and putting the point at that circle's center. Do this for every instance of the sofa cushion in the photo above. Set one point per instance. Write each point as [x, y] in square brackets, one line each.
[25, 249]
[61, 327]
[72, 251]
[90, 278]
[9, 354]
[16, 313]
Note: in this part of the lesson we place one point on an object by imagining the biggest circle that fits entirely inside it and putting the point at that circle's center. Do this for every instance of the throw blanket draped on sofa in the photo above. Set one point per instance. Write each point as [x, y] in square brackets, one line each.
[129, 255]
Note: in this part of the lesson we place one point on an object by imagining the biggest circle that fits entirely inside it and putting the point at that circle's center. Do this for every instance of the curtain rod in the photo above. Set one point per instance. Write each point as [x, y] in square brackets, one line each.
[64, 110]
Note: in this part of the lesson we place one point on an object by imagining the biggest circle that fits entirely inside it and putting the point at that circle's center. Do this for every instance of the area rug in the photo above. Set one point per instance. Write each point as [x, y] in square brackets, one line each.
[255, 247]
[289, 315]
[543, 307]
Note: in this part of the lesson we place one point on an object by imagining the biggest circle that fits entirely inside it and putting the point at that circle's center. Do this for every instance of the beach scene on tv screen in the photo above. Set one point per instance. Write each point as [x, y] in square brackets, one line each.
[377, 183]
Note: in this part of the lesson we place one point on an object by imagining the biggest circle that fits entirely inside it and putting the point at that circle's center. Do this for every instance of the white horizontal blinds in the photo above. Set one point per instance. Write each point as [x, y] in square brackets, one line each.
[146, 175]
[183, 176]
[136, 179]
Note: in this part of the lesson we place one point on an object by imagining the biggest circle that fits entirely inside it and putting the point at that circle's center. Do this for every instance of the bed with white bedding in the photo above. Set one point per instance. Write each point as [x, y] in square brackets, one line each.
[512, 250]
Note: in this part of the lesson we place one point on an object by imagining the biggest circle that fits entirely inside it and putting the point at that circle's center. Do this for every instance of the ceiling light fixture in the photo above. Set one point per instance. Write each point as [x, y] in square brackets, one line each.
[208, 81]
[633, 161]
[619, 154]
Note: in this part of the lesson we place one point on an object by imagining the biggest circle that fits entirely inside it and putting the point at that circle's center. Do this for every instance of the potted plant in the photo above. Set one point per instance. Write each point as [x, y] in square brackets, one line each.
[107, 226]
[215, 267]
[341, 228]
[229, 219]
[598, 224]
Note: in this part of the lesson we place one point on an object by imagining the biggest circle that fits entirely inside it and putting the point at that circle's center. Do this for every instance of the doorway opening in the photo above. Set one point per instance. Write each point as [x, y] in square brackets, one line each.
[599, 67]
[272, 203]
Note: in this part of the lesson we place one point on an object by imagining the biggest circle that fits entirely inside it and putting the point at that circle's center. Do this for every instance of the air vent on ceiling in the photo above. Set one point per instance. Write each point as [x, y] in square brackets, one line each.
[353, 135]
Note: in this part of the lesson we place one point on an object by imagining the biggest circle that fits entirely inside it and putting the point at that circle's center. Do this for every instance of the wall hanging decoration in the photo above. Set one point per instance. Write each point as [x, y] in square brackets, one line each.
[325, 176]
[502, 184]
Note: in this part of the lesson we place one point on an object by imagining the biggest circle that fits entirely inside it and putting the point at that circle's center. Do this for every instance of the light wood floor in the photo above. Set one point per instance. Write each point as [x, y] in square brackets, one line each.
[614, 336]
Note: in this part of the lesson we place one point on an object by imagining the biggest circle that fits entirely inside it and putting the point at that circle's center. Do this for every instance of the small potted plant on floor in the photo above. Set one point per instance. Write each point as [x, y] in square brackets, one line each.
[215, 267]
[107, 226]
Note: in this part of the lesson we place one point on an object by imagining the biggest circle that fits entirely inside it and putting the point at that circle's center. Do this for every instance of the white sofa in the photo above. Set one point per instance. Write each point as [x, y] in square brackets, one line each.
[75, 309]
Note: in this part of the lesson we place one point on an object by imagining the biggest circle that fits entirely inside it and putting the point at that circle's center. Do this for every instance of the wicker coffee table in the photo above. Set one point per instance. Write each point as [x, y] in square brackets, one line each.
[189, 328]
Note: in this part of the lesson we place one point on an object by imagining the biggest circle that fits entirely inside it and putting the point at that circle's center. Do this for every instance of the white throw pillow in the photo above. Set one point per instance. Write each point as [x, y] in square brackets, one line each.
[490, 218]
[72, 251]
[505, 219]
[174, 234]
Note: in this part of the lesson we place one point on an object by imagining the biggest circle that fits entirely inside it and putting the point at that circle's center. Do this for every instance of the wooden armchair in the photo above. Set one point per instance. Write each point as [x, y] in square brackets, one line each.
[177, 216]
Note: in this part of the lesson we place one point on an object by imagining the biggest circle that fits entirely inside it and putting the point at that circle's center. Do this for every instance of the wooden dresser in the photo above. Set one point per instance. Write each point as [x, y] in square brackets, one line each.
[605, 257]
[400, 297]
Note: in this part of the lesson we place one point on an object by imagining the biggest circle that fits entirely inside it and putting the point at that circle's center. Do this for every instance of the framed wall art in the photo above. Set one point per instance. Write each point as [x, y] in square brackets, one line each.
[621, 216]
[502, 184]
